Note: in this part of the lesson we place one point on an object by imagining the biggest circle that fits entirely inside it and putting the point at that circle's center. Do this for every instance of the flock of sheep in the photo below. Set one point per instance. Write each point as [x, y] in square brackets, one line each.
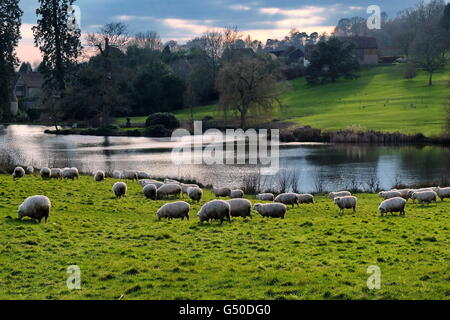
[38, 207]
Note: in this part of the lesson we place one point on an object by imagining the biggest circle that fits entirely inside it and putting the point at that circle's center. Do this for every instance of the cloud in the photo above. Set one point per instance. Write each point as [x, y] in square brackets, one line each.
[305, 12]
[239, 7]
[185, 26]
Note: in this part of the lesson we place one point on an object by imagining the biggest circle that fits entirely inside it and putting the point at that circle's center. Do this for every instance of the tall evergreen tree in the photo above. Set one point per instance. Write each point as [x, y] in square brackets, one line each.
[10, 22]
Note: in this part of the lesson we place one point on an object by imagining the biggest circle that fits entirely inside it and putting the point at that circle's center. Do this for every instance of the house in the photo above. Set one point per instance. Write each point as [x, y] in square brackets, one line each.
[366, 49]
[27, 88]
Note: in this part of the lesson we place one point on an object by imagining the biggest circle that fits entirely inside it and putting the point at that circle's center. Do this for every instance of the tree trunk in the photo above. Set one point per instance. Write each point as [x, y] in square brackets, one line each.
[243, 119]
[430, 79]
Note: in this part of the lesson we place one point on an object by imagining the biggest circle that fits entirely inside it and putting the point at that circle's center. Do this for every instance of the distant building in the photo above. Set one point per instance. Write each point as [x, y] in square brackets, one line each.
[366, 49]
[28, 87]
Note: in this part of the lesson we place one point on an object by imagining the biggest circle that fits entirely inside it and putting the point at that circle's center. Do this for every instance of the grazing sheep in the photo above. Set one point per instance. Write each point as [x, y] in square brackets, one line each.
[272, 210]
[305, 198]
[130, 175]
[174, 210]
[35, 207]
[424, 196]
[333, 195]
[167, 190]
[287, 199]
[185, 187]
[143, 175]
[240, 208]
[55, 173]
[215, 210]
[119, 189]
[150, 191]
[70, 173]
[265, 197]
[117, 174]
[29, 170]
[18, 173]
[411, 191]
[396, 204]
[171, 181]
[99, 176]
[45, 173]
[221, 192]
[389, 194]
[405, 193]
[236, 194]
[145, 182]
[442, 192]
[347, 202]
[195, 193]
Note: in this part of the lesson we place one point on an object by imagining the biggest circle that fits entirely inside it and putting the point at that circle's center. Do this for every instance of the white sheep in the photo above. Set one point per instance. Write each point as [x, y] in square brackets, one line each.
[18, 173]
[411, 191]
[129, 175]
[117, 174]
[55, 173]
[29, 170]
[150, 191]
[287, 199]
[389, 194]
[119, 189]
[185, 187]
[390, 205]
[265, 197]
[215, 210]
[221, 192]
[240, 208]
[195, 193]
[404, 193]
[35, 207]
[99, 176]
[442, 192]
[171, 181]
[145, 182]
[272, 210]
[305, 198]
[70, 173]
[143, 175]
[424, 196]
[236, 194]
[347, 202]
[167, 190]
[174, 210]
[333, 195]
[45, 173]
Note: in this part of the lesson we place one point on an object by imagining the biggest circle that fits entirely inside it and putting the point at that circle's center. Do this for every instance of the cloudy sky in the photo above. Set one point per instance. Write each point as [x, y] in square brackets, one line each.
[181, 20]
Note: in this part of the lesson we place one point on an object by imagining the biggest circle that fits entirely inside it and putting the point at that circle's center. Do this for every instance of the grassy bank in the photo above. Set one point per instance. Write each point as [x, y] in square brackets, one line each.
[123, 251]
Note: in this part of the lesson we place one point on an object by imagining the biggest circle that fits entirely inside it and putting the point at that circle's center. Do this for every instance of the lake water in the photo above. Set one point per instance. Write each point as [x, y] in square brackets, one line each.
[334, 165]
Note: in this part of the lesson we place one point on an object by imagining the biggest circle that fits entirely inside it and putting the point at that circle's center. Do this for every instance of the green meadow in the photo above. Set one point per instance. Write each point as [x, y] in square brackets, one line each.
[380, 99]
[124, 252]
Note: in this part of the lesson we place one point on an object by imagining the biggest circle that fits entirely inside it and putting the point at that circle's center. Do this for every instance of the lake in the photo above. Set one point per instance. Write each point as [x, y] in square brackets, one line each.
[333, 165]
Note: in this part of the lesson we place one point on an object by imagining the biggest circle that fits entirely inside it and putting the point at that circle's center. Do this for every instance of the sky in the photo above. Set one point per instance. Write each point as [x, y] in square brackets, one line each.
[182, 20]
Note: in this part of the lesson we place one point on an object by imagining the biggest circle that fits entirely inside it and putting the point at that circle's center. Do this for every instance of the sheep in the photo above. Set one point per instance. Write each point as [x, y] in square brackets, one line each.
[396, 204]
[287, 199]
[305, 198]
[215, 210]
[117, 174]
[171, 181]
[195, 193]
[45, 173]
[411, 191]
[29, 170]
[240, 208]
[18, 173]
[389, 194]
[221, 192]
[272, 210]
[168, 190]
[55, 173]
[130, 175]
[99, 176]
[70, 173]
[174, 210]
[143, 175]
[442, 192]
[404, 193]
[145, 182]
[346, 202]
[150, 191]
[119, 189]
[185, 187]
[35, 207]
[424, 196]
[236, 194]
[265, 197]
[333, 195]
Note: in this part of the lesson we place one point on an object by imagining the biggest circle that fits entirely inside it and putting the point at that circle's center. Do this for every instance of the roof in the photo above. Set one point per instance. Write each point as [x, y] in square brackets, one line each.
[362, 42]
[31, 79]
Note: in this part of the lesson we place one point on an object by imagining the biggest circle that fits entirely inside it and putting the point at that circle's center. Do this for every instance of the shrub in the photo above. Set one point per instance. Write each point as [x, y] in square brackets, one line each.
[167, 120]
[410, 73]
[157, 131]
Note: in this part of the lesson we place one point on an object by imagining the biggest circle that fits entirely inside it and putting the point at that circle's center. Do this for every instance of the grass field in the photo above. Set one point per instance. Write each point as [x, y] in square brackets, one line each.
[125, 252]
[381, 99]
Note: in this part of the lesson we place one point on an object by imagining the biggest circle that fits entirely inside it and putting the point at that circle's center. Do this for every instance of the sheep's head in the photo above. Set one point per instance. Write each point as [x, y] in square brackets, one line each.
[382, 210]
[20, 211]
[257, 206]
[337, 199]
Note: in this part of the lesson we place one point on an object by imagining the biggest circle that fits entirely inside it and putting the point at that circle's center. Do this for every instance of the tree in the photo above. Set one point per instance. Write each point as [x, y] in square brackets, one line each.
[248, 85]
[10, 22]
[148, 40]
[331, 60]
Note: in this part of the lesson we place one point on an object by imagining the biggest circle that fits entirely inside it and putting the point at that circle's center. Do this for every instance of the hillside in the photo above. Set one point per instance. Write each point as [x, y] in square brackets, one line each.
[381, 99]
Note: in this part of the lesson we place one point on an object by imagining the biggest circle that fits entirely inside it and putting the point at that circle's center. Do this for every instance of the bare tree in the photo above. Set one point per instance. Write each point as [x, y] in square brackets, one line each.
[231, 35]
[214, 41]
[148, 40]
[283, 180]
